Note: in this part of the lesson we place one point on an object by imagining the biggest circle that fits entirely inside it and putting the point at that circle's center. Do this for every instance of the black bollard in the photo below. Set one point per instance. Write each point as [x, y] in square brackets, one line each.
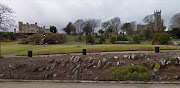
[29, 53]
[84, 51]
[157, 49]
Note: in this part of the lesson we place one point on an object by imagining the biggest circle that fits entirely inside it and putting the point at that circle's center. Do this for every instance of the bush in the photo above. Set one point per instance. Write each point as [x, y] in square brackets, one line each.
[124, 42]
[176, 33]
[8, 36]
[161, 38]
[78, 39]
[36, 38]
[55, 39]
[24, 41]
[157, 66]
[136, 40]
[155, 38]
[6, 40]
[102, 40]
[50, 38]
[113, 40]
[134, 73]
[122, 38]
[89, 39]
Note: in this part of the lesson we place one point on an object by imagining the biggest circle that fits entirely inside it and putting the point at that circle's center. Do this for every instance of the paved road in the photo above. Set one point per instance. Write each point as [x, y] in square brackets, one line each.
[102, 53]
[83, 85]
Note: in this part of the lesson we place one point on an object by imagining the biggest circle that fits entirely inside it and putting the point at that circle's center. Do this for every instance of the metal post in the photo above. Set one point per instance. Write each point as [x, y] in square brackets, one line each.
[0, 45]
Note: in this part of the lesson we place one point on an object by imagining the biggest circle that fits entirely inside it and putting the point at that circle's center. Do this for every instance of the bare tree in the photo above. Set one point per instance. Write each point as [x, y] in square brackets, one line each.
[79, 25]
[106, 25]
[133, 25]
[116, 23]
[175, 21]
[6, 17]
[93, 23]
[149, 19]
[126, 27]
[99, 23]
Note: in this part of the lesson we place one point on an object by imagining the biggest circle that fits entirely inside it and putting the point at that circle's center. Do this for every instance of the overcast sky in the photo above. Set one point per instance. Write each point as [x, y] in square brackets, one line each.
[60, 12]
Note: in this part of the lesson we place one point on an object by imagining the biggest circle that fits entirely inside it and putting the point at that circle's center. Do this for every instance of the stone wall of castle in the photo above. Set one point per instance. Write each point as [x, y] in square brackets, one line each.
[156, 26]
[158, 22]
[31, 28]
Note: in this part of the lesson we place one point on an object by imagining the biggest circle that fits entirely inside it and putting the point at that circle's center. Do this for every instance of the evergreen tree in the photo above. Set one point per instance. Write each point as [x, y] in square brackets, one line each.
[69, 28]
[53, 29]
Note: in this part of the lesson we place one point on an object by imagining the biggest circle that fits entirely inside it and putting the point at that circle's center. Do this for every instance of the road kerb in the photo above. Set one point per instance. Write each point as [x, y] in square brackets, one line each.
[86, 81]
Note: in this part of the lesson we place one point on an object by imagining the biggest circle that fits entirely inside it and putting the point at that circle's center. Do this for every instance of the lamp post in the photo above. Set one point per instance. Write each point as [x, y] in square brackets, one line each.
[44, 38]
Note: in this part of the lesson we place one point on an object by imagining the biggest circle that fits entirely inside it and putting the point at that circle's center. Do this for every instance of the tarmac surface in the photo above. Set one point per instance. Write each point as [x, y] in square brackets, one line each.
[102, 53]
[82, 85]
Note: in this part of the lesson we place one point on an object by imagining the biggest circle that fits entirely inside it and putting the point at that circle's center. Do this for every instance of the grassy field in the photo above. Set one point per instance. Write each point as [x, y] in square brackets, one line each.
[177, 41]
[75, 47]
[60, 49]
[146, 43]
[12, 47]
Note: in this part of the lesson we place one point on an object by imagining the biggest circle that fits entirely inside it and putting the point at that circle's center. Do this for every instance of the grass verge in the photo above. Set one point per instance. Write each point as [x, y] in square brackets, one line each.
[11, 47]
[61, 49]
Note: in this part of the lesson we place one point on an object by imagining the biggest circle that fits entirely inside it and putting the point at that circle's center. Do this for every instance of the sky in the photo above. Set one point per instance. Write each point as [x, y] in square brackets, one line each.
[59, 12]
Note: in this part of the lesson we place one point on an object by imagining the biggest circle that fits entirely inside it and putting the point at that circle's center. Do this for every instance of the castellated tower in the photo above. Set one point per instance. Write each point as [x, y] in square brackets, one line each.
[20, 27]
[158, 27]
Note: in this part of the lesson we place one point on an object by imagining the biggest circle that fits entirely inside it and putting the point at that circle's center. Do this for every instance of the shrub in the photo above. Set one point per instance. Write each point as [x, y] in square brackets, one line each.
[113, 40]
[78, 39]
[134, 73]
[89, 39]
[176, 33]
[24, 41]
[163, 38]
[55, 39]
[102, 40]
[36, 38]
[136, 40]
[124, 42]
[6, 40]
[160, 38]
[50, 38]
[122, 38]
[157, 66]
[8, 36]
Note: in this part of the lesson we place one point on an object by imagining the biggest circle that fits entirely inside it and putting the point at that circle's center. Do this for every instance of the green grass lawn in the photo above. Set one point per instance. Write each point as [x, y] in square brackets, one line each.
[76, 47]
[11, 47]
[176, 41]
[146, 43]
[60, 49]
[70, 40]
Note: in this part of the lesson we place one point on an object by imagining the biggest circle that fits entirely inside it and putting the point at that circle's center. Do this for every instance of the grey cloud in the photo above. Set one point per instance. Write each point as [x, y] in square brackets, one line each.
[60, 12]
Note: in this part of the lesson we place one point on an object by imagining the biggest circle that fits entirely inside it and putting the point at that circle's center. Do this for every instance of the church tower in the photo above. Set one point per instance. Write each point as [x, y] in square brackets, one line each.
[158, 26]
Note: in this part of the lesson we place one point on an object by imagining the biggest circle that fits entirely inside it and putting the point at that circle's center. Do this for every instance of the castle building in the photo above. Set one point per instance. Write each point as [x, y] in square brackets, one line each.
[32, 28]
[156, 26]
